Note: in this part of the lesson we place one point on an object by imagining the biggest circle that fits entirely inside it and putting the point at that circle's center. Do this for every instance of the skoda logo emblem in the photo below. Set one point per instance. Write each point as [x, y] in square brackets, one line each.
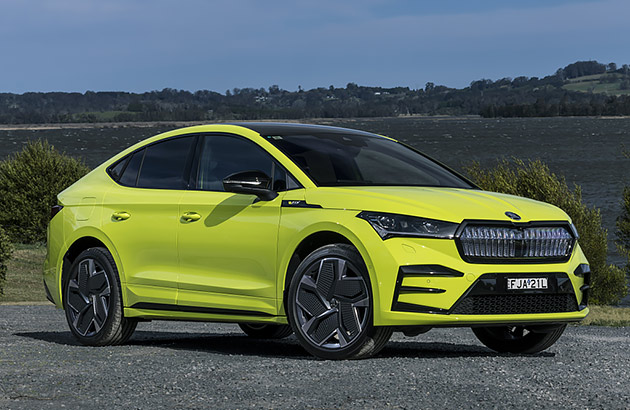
[512, 215]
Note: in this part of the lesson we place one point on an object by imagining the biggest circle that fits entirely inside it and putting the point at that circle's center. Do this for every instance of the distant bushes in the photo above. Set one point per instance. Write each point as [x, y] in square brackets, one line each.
[5, 254]
[534, 180]
[609, 106]
[29, 183]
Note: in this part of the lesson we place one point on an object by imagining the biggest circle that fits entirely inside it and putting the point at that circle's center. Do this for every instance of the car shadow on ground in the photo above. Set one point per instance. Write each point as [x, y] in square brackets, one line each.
[238, 344]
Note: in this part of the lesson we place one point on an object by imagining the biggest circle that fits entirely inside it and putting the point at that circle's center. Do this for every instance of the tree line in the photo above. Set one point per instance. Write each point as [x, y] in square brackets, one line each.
[506, 97]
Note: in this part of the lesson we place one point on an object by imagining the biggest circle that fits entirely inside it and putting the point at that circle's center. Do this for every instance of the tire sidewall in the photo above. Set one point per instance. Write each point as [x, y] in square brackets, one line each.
[531, 343]
[350, 254]
[114, 313]
[266, 330]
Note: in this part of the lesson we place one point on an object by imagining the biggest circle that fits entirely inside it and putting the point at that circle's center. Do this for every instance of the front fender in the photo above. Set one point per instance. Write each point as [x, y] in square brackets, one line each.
[294, 230]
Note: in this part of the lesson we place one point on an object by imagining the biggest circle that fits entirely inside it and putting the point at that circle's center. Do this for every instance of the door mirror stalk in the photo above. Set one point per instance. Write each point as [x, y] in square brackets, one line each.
[250, 183]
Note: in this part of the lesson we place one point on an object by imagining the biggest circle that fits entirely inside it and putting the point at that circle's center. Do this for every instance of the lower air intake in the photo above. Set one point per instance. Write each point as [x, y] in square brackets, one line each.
[515, 304]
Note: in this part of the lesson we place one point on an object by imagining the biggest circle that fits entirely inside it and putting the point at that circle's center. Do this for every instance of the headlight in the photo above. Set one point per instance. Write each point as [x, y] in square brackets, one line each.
[388, 225]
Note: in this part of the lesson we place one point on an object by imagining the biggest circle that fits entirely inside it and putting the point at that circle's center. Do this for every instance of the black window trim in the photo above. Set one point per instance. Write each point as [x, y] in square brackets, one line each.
[192, 186]
[192, 162]
[127, 158]
[110, 169]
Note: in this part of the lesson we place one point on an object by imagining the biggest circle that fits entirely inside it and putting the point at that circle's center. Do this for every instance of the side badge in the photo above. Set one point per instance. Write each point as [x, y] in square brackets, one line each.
[513, 216]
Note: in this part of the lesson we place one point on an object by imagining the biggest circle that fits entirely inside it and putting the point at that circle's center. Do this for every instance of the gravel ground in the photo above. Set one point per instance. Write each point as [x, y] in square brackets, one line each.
[206, 365]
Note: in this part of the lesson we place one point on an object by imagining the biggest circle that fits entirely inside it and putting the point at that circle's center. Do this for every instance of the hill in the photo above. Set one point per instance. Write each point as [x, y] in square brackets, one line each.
[608, 83]
[580, 88]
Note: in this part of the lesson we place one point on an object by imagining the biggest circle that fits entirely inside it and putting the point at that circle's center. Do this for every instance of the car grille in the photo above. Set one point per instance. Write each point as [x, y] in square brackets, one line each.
[515, 304]
[479, 243]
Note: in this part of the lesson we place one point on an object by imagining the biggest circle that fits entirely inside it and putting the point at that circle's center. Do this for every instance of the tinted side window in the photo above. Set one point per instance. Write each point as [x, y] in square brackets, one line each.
[164, 164]
[279, 179]
[223, 155]
[282, 180]
[116, 170]
[130, 174]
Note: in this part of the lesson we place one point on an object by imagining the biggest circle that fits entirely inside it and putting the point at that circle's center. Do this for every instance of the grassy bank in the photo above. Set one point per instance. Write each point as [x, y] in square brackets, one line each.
[607, 316]
[24, 284]
[24, 275]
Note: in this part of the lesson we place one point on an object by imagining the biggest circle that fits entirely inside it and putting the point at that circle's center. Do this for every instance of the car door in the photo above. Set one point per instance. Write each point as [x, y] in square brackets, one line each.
[228, 242]
[141, 219]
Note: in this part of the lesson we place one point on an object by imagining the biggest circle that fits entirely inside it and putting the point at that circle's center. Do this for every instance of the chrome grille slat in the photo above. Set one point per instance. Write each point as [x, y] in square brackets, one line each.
[506, 242]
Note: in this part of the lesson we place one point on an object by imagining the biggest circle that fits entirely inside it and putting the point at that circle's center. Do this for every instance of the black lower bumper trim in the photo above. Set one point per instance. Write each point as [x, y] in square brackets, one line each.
[416, 289]
[412, 307]
[420, 271]
[197, 309]
[584, 271]
[489, 295]
[48, 295]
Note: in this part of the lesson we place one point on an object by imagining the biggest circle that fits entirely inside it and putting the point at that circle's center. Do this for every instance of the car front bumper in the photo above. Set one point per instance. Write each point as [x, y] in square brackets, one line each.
[425, 282]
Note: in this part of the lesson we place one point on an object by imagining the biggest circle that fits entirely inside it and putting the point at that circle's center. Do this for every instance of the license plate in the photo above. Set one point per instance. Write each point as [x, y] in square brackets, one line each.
[526, 283]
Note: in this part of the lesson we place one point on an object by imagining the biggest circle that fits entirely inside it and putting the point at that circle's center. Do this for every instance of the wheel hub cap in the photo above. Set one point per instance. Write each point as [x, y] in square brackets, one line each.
[332, 303]
[88, 298]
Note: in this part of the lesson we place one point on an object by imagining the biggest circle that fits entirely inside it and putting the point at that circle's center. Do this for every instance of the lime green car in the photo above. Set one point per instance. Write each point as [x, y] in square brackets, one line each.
[339, 236]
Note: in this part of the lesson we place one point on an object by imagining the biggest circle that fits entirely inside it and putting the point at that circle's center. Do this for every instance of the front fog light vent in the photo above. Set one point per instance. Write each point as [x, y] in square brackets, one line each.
[531, 243]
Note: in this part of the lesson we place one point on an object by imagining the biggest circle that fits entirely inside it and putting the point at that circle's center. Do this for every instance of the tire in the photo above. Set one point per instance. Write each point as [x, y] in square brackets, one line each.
[330, 305]
[93, 300]
[266, 331]
[518, 339]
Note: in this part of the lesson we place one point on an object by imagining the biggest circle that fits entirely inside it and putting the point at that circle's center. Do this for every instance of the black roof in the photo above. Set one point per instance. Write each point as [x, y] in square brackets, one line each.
[283, 128]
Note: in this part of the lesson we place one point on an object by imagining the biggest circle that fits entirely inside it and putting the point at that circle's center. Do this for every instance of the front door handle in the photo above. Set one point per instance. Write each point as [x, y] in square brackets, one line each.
[191, 217]
[120, 216]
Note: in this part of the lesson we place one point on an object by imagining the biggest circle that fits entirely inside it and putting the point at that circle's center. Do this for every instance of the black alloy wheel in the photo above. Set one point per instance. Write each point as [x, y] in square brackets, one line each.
[330, 305]
[93, 302]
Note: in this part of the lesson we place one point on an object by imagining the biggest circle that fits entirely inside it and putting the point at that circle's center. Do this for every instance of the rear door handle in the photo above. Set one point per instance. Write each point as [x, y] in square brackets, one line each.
[191, 217]
[121, 216]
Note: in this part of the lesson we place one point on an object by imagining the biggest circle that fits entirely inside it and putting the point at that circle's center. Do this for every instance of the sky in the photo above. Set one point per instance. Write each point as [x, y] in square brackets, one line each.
[145, 45]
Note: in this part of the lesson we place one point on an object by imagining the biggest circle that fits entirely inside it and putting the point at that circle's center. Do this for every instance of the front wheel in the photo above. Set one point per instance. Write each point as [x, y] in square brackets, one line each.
[519, 339]
[330, 305]
[93, 302]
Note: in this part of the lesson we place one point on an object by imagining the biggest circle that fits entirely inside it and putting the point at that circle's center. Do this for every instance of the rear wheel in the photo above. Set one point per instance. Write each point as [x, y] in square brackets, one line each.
[519, 339]
[330, 305]
[266, 331]
[93, 302]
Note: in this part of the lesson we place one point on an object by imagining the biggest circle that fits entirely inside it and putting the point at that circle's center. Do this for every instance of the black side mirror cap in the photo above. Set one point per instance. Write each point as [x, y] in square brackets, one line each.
[250, 183]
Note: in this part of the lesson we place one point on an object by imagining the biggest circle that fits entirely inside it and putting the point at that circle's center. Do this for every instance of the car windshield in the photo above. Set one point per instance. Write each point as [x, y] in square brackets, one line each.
[334, 159]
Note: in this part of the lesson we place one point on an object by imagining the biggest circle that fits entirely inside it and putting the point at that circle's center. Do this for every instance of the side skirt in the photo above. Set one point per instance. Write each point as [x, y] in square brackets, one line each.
[194, 313]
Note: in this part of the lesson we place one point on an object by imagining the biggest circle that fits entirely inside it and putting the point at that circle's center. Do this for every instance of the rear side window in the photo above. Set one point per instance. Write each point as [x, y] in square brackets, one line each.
[164, 164]
[117, 169]
[130, 174]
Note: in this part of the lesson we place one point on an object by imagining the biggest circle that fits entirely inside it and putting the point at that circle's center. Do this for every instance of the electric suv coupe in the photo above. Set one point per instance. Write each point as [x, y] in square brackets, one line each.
[336, 235]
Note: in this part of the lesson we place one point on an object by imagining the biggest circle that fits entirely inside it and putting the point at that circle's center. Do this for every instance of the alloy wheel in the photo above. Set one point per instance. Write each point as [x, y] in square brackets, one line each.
[88, 297]
[332, 303]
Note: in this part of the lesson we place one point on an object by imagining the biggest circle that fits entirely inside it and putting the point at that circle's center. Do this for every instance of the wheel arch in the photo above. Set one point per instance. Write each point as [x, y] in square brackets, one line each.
[314, 239]
[84, 239]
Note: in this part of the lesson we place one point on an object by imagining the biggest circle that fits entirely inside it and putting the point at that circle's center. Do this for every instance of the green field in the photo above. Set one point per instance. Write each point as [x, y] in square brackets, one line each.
[24, 275]
[597, 84]
[24, 284]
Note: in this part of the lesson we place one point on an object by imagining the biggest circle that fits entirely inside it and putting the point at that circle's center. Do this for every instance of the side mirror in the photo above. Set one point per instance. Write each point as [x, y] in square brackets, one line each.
[250, 183]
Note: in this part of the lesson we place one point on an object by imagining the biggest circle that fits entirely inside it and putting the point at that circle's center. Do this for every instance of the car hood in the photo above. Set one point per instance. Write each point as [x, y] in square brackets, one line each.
[447, 204]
